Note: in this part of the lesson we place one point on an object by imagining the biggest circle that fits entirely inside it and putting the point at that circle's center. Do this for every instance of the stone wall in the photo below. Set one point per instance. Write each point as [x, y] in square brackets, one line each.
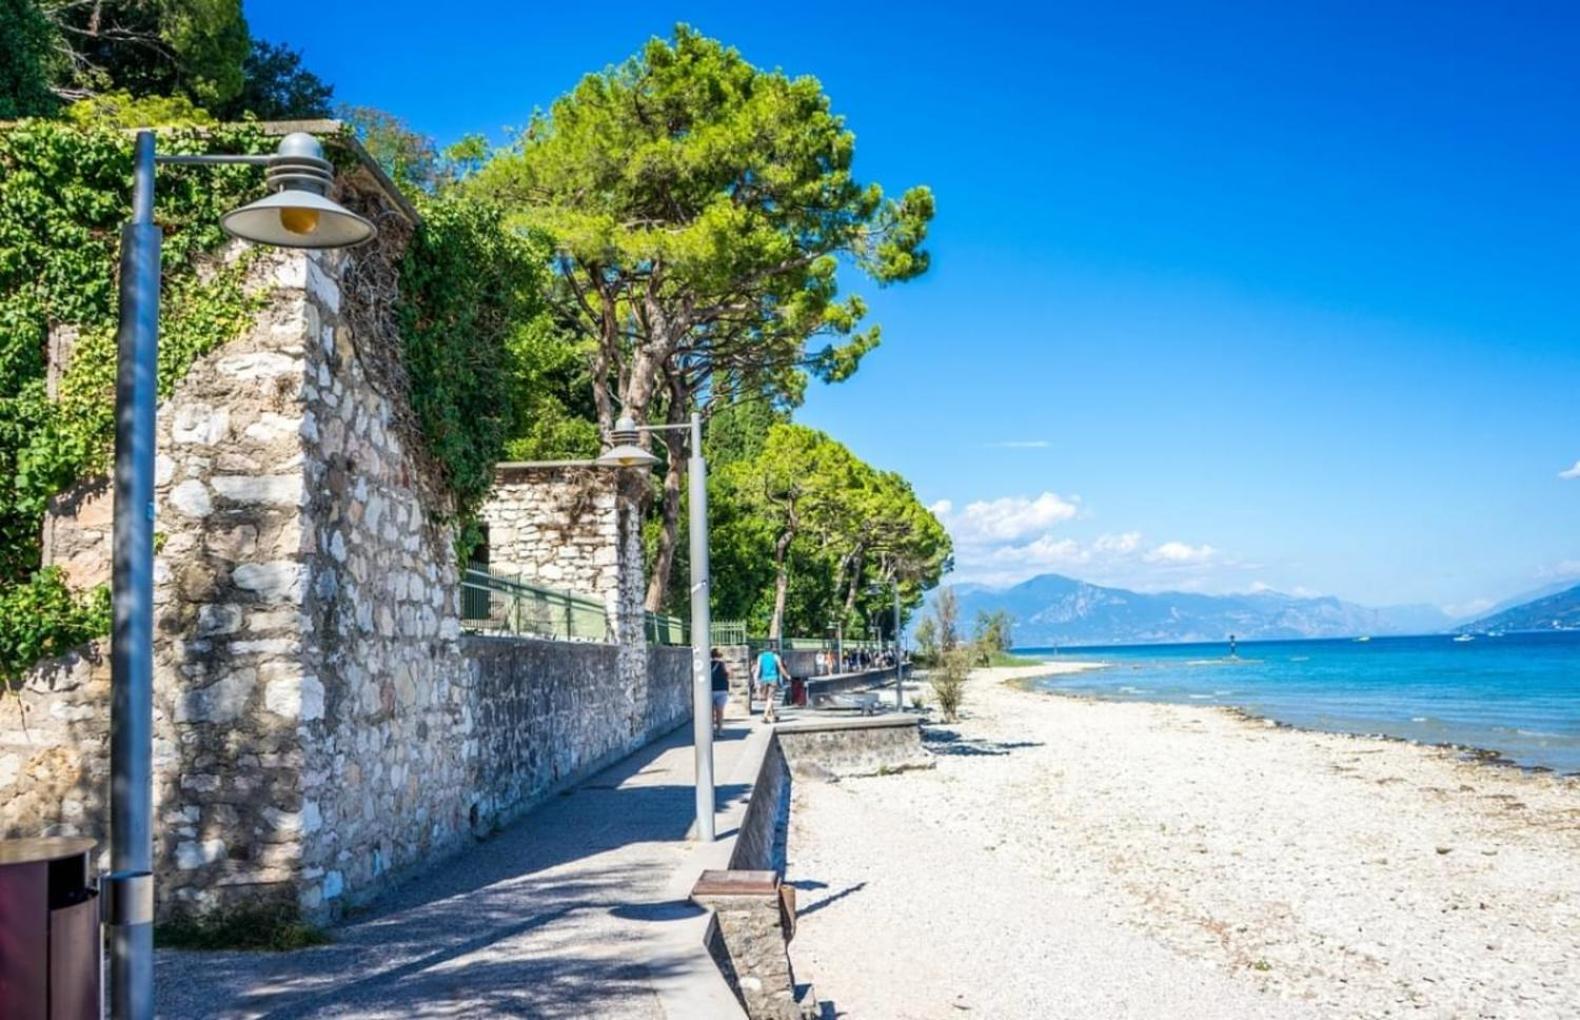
[576, 527]
[548, 713]
[320, 723]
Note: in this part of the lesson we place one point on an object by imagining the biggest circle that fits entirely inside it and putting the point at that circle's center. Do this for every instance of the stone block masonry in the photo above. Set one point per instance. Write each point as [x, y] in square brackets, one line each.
[321, 724]
[576, 527]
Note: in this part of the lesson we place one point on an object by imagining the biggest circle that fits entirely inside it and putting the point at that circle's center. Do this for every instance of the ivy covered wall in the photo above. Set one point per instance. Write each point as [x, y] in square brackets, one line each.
[464, 292]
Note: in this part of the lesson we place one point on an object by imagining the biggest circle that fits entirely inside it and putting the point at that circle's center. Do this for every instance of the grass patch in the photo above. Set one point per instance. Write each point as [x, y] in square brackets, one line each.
[276, 929]
[1006, 659]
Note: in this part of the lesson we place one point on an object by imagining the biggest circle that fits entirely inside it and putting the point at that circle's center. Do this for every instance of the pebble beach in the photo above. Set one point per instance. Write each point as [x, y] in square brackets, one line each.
[1069, 857]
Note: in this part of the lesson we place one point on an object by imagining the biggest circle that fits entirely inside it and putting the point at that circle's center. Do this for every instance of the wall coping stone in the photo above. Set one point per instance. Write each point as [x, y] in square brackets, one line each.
[803, 724]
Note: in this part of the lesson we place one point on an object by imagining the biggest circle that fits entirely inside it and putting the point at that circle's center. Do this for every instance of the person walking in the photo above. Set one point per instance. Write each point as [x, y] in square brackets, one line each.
[721, 690]
[769, 671]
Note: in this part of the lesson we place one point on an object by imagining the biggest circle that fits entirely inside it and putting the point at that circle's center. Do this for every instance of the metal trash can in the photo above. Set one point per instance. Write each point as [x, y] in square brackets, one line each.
[49, 930]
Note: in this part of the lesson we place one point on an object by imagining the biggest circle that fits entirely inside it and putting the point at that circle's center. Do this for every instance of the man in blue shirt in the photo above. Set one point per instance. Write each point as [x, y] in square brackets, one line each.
[769, 671]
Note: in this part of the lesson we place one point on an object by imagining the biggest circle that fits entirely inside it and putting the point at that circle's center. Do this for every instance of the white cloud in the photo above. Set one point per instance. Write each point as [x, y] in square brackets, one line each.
[1181, 553]
[1004, 520]
[1571, 473]
[1123, 544]
[1019, 444]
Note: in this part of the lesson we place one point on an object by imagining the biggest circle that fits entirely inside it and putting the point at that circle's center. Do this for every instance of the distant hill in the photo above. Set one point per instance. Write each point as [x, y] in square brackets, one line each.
[1051, 609]
[1559, 611]
[1527, 596]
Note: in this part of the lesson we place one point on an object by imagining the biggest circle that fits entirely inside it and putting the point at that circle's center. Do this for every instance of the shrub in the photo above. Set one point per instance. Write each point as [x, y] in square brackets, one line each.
[274, 927]
[948, 681]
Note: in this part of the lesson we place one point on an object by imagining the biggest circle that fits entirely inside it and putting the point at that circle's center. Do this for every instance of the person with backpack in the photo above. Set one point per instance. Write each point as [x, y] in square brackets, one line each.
[721, 690]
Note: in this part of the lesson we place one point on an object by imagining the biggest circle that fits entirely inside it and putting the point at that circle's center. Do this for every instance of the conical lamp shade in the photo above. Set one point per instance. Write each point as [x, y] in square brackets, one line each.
[627, 455]
[297, 218]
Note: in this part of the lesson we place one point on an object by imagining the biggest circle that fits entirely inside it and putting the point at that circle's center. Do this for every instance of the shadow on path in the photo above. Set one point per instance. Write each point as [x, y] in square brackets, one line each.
[543, 919]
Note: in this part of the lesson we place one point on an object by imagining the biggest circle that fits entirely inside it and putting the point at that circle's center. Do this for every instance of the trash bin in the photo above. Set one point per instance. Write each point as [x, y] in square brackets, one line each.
[49, 930]
[798, 691]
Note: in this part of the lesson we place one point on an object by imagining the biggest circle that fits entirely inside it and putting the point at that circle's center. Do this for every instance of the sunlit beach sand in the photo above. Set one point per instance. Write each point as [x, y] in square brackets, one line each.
[1074, 857]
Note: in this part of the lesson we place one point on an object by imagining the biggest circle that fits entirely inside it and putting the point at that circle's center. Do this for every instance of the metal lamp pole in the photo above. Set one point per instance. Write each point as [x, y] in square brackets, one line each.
[899, 658]
[297, 214]
[626, 453]
[701, 635]
[129, 887]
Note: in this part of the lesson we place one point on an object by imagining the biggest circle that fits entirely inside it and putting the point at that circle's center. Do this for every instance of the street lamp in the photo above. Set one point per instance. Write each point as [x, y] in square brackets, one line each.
[626, 453]
[899, 657]
[297, 214]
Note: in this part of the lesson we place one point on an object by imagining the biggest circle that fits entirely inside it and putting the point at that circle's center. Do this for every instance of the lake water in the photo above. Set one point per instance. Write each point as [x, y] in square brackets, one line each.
[1518, 694]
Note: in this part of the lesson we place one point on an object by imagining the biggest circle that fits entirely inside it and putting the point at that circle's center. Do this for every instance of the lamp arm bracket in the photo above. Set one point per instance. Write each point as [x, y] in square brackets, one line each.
[215, 160]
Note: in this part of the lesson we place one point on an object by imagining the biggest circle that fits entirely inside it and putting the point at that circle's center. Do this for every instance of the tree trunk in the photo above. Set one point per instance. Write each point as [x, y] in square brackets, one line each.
[669, 508]
[669, 529]
[858, 556]
[781, 584]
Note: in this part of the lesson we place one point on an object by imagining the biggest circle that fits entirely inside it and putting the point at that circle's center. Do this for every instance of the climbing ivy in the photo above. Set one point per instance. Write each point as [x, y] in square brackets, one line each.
[469, 307]
[64, 193]
[470, 296]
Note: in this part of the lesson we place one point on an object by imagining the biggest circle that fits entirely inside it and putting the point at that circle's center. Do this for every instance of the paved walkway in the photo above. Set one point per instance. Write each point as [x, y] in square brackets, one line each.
[570, 912]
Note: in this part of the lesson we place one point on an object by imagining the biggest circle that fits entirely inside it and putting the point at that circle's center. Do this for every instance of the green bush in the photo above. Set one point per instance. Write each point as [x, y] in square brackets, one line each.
[948, 680]
[470, 289]
[274, 927]
[42, 618]
[64, 193]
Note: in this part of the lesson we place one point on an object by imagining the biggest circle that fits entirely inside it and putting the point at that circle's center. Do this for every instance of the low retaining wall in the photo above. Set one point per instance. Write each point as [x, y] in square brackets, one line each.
[877, 680]
[549, 713]
[753, 914]
[851, 746]
[361, 796]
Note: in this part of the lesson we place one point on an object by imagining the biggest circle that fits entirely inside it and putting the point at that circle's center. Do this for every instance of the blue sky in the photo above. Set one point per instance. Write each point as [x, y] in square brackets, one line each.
[1225, 295]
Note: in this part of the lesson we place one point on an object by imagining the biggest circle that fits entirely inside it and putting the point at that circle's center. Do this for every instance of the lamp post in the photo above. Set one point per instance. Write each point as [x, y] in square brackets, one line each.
[626, 453]
[296, 214]
[899, 654]
[899, 661]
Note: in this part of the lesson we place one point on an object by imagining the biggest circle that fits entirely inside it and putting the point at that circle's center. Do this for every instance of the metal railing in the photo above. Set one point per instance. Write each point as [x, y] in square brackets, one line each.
[494, 604]
[729, 632]
[662, 629]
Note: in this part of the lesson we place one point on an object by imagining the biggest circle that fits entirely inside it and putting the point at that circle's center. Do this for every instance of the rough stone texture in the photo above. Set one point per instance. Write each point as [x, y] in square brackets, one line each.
[548, 713]
[760, 844]
[229, 687]
[753, 931]
[576, 527]
[738, 663]
[318, 724]
[853, 746]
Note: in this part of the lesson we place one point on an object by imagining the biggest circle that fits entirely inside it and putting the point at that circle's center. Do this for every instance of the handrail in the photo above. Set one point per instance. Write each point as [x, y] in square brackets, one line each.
[493, 604]
[663, 629]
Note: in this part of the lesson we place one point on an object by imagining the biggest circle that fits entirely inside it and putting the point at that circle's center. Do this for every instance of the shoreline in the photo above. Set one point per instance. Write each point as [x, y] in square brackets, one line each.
[1473, 754]
[1150, 859]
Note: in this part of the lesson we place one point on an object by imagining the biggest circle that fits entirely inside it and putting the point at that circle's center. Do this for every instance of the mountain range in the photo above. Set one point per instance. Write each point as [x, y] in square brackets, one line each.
[1558, 610]
[1051, 609]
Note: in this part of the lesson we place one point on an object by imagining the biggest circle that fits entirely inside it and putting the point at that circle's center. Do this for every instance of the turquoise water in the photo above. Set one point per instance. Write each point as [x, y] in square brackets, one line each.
[1518, 694]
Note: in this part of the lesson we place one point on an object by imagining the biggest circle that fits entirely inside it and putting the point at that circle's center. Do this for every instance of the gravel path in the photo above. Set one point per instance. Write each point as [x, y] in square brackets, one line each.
[556, 917]
[1072, 858]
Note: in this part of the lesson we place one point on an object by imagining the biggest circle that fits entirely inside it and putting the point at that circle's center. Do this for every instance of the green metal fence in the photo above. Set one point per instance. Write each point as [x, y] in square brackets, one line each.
[729, 632]
[666, 630]
[495, 604]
